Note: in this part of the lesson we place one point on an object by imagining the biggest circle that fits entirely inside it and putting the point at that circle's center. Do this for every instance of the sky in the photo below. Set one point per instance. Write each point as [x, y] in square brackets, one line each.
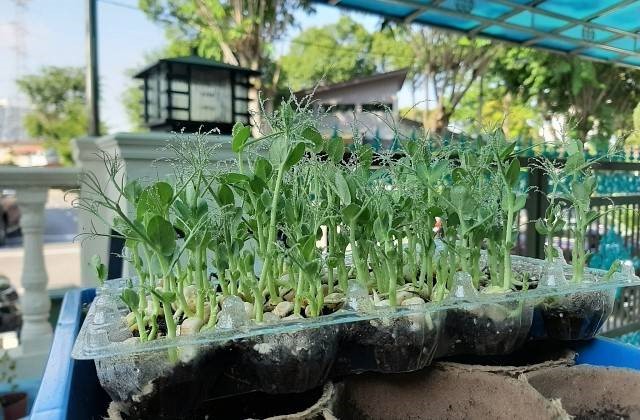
[53, 35]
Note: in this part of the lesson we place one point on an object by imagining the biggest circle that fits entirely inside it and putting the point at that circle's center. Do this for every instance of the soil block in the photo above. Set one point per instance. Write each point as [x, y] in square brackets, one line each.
[285, 362]
[389, 345]
[149, 386]
[488, 329]
[575, 317]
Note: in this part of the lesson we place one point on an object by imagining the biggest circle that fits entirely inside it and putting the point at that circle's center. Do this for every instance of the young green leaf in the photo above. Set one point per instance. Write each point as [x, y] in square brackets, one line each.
[164, 297]
[335, 149]
[240, 136]
[130, 298]
[225, 195]
[263, 169]
[182, 209]
[312, 135]
[308, 247]
[234, 178]
[101, 269]
[342, 189]
[132, 191]
[257, 185]
[294, 156]
[161, 233]
[236, 128]
[351, 212]
[507, 151]
[513, 173]
[422, 172]
[277, 151]
[521, 201]
[541, 227]
[164, 191]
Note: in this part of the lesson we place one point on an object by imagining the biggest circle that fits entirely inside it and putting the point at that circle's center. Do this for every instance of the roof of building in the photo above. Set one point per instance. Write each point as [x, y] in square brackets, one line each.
[196, 61]
[596, 30]
[398, 76]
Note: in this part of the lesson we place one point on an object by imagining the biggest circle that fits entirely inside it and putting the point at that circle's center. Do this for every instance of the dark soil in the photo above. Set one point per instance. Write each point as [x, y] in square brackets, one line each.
[180, 394]
[531, 353]
[605, 413]
[391, 345]
[257, 405]
[575, 317]
[253, 405]
[488, 330]
[286, 362]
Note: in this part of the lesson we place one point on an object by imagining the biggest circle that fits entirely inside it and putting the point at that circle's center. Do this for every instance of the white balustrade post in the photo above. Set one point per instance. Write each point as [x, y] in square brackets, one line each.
[35, 303]
[143, 157]
[86, 153]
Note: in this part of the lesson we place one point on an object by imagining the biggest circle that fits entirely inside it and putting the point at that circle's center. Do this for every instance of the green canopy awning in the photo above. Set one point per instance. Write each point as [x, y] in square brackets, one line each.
[601, 30]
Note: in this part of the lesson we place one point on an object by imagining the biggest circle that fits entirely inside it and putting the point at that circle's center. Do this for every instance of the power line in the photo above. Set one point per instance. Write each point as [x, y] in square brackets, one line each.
[354, 51]
[119, 4]
[351, 50]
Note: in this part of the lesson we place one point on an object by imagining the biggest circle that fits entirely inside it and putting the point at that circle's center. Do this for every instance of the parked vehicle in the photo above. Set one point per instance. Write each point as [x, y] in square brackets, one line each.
[10, 318]
[9, 215]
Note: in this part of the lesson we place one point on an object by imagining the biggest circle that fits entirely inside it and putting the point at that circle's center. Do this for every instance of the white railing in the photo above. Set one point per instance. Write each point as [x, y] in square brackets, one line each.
[31, 186]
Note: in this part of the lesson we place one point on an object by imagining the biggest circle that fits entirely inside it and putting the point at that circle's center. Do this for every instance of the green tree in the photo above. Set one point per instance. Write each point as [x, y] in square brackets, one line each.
[597, 97]
[447, 65]
[132, 99]
[57, 96]
[339, 52]
[634, 137]
[487, 105]
[236, 32]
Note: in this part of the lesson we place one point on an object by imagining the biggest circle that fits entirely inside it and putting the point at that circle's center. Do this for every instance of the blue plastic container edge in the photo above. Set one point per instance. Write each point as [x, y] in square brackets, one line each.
[53, 396]
[603, 351]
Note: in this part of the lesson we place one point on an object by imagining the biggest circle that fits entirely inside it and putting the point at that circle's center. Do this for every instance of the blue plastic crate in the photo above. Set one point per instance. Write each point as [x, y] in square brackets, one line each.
[608, 352]
[70, 388]
[631, 338]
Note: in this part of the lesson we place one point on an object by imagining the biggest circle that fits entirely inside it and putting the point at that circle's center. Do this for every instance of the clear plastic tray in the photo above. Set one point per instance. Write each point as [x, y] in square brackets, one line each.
[103, 332]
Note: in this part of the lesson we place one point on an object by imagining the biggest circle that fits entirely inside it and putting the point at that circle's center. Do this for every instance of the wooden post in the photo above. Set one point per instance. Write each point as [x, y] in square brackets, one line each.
[536, 208]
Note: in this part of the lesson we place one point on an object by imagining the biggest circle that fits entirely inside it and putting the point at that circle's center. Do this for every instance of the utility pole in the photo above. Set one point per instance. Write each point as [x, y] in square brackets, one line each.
[92, 92]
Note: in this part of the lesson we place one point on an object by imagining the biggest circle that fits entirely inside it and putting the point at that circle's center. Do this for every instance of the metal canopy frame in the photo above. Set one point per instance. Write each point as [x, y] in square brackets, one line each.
[551, 25]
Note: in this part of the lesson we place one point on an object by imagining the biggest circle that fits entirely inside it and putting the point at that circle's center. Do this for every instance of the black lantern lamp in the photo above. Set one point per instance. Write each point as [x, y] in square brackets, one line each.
[193, 92]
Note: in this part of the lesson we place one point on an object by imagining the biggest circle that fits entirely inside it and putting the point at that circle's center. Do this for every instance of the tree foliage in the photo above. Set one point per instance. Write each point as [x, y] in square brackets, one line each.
[58, 112]
[236, 32]
[634, 137]
[447, 65]
[598, 97]
[487, 105]
[339, 52]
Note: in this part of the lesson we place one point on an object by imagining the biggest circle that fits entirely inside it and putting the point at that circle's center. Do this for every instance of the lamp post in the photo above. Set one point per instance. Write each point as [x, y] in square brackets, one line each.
[92, 93]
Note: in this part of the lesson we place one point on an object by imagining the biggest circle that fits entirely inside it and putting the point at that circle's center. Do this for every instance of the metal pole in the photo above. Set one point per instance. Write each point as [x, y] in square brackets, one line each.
[92, 94]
